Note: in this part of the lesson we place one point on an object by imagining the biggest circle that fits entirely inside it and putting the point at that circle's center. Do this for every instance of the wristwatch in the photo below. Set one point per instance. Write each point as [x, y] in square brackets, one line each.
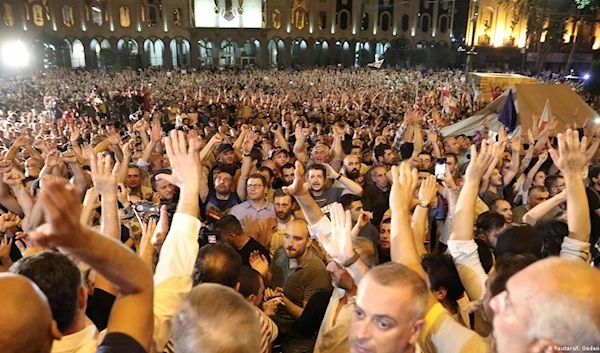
[351, 260]
[423, 203]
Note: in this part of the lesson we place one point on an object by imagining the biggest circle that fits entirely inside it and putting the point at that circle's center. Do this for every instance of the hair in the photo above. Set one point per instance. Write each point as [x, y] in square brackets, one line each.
[485, 254]
[256, 155]
[348, 199]
[258, 176]
[551, 180]
[489, 221]
[451, 155]
[552, 232]
[442, 273]
[279, 193]
[593, 173]
[217, 263]
[268, 170]
[406, 150]
[375, 168]
[391, 274]
[229, 225]
[507, 266]
[153, 180]
[133, 166]
[227, 323]
[423, 153]
[386, 221]
[367, 251]
[494, 205]
[380, 150]
[59, 279]
[249, 281]
[288, 166]
[536, 188]
[316, 166]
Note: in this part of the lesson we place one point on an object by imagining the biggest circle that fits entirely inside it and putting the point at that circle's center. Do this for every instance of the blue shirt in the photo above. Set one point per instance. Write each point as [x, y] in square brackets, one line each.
[248, 215]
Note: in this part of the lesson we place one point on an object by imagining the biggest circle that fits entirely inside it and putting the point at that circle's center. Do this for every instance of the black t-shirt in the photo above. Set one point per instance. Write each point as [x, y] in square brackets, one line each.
[99, 307]
[117, 342]
[594, 203]
[251, 246]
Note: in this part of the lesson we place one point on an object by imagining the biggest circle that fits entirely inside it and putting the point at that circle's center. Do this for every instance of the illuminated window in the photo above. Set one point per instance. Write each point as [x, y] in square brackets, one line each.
[365, 22]
[276, 19]
[322, 20]
[177, 17]
[124, 16]
[67, 13]
[38, 15]
[97, 15]
[8, 15]
[299, 13]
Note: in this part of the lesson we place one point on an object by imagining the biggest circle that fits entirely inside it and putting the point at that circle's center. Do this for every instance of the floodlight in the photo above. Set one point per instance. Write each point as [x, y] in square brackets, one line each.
[15, 54]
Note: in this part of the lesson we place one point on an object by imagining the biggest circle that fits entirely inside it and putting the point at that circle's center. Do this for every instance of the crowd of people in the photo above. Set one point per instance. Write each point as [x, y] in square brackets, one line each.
[273, 211]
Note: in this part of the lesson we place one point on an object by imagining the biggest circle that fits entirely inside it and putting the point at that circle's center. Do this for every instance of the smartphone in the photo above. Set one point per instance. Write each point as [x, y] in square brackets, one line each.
[147, 207]
[440, 168]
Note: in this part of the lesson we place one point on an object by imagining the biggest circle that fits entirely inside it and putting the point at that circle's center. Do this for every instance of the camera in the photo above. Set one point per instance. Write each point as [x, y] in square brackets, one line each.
[147, 207]
[208, 236]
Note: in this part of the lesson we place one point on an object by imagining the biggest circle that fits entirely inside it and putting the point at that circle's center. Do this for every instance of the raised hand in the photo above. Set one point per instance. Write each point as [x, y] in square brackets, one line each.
[9, 220]
[364, 218]
[428, 189]
[270, 306]
[92, 198]
[515, 144]
[331, 173]
[297, 185]
[185, 161]
[104, 176]
[156, 133]
[161, 229]
[480, 161]
[6, 165]
[259, 263]
[13, 178]
[27, 246]
[570, 156]
[69, 157]
[21, 141]
[403, 188]
[62, 210]
[249, 141]
[52, 159]
[339, 244]
[273, 293]
[5, 246]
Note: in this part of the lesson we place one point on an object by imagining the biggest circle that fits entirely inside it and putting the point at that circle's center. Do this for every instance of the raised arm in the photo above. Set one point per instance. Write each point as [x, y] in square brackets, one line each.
[533, 171]
[570, 159]
[428, 193]
[311, 210]
[538, 212]
[247, 147]
[299, 149]
[350, 185]
[464, 216]
[104, 177]
[131, 313]
[514, 163]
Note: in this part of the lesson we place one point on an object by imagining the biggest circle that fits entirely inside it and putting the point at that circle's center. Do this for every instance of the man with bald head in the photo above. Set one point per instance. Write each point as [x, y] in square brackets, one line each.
[25, 328]
[552, 303]
[299, 273]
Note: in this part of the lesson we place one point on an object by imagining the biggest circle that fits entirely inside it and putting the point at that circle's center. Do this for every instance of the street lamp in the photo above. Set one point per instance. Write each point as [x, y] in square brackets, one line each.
[472, 51]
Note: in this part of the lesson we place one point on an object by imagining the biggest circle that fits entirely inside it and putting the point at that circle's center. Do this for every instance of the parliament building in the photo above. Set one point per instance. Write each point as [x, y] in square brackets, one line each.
[213, 33]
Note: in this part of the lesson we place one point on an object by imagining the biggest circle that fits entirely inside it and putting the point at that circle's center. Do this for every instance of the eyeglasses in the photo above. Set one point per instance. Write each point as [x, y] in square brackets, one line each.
[254, 186]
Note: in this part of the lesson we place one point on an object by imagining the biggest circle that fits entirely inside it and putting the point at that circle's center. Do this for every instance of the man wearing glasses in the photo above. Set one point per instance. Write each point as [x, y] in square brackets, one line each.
[256, 205]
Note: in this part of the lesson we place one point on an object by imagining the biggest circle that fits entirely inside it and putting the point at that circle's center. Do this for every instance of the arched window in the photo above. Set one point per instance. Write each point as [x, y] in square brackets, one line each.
[365, 22]
[444, 24]
[96, 15]
[322, 20]
[405, 20]
[177, 17]
[385, 21]
[425, 23]
[276, 19]
[124, 16]
[38, 15]
[67, 13]
[343, 19]
[8, 15]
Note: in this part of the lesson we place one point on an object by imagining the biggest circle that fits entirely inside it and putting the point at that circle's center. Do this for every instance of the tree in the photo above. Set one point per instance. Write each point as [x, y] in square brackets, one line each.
[585, 10]
[106, 58]
[398, 52]
[418, 57]
[364, 57]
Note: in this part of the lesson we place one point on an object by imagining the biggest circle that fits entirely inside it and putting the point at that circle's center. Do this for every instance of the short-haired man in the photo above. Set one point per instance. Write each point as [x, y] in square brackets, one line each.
[256, 206]
[219, 200]
[425, 161]
[232, 234]
[384, 155]
[360, 218]
[299, 272]
[324, 194]
[164, 191]
[393, 321]
[535, 196]
[269, 231]
[501, 206]
[376, 196]
[229, 323]
[287, 173]
[137, 191]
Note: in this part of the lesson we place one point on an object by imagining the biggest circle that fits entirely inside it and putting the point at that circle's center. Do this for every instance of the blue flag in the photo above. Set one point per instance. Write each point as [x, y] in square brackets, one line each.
[508, 116]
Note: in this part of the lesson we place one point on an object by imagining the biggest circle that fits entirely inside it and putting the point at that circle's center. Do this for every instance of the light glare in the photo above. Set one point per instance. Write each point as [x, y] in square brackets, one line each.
[14, 54]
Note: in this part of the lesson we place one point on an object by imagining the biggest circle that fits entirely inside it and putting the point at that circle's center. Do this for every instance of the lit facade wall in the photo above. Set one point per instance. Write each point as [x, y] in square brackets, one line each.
[197, 33]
